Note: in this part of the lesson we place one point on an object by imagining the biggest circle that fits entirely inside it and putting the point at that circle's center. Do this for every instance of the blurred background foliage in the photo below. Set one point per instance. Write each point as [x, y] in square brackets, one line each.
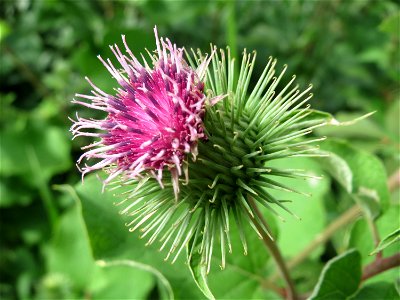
[348, 50]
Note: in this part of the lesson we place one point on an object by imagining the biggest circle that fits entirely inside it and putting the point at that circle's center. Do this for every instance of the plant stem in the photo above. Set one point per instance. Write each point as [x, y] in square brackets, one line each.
[274, 250]
[346, 218]
[381, 265]
[394, 181]
[374, 233]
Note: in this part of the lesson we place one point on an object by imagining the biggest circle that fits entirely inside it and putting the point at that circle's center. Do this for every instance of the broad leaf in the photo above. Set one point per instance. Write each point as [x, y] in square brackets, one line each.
[199, 273]
[235, 283]
[361, 239]
[361, 174]
[36, 152]
[127, 279]
[377, 290]
[392, 121]
[70, 252]
[309, 208]
[352, 125]
[110, 238]
[328, 119]
[4, 30]
[387, 241]
[244, 275]
[340, 277]
[14, 191]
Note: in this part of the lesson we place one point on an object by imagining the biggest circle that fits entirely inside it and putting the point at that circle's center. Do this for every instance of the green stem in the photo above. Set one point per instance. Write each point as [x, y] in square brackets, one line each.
[274, 251]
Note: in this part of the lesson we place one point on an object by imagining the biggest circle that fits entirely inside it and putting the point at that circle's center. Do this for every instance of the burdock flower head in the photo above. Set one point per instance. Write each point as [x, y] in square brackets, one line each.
[160, 115]
[154, 120]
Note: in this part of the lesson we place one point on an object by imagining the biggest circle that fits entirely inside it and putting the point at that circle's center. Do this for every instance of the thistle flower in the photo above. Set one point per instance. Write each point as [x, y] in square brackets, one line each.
[237, 133]
[154, 120]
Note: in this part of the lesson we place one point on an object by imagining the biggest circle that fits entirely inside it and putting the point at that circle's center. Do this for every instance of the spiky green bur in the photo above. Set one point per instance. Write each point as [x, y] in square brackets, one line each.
[245, 130]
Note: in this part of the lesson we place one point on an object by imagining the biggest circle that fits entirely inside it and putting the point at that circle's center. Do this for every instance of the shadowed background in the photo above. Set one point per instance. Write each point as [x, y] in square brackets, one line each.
[348, 50]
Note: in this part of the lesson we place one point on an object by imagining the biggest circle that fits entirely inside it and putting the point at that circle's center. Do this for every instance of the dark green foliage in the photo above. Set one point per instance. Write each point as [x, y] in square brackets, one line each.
[51, 236]
[339, 278]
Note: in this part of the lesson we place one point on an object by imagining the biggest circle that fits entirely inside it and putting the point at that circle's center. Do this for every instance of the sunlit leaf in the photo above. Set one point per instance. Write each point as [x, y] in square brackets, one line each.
[125, 279]
[244, 275]
[199, 273]
[38, 150]
[361, 174]
[70, 252]
[377, 290]
[387, 241]
[339, 278]
[309, 208]
[111, 240]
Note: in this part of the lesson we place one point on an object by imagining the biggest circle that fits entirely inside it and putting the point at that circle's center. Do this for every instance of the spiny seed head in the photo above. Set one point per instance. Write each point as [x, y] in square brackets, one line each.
[161, 113]
[245, 131]
[154, 120]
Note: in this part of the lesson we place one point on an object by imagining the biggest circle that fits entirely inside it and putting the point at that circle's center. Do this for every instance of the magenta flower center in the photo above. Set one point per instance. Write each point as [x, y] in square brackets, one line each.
[157, 119]
[154, 120]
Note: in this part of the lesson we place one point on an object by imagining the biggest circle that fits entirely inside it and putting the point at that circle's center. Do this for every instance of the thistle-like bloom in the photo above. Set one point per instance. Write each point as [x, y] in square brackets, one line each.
[154, 120]
[161, 114]
[232, 174]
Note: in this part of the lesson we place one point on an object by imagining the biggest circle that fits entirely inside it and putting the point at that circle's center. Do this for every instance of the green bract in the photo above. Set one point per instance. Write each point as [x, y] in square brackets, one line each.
[246, 130]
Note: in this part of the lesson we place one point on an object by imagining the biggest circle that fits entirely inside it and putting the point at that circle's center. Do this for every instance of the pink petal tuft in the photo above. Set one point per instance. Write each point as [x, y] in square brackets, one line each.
[154, 120]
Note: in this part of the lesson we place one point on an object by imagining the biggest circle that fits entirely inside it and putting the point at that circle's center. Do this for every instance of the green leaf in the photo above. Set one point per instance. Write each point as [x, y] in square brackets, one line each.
[36, 150]
[56, 286]
[69, 252]
[361, 239]
[72, 253]
[391, 24]
[340, 277]
[361, 174]
[377, 290]
[306, 274]
[244, 275]
[361, 127]
[330, 120]
[125, 279]
[235, 283]
[4, 30]
[387, 224]
[387, 241]
[199, 273]
[309, 208]
[13, 191]
[104, 221]
[95, 204]
[392, 120]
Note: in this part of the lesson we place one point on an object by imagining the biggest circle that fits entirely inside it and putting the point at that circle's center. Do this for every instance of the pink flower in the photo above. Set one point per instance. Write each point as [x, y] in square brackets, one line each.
[154, 120]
